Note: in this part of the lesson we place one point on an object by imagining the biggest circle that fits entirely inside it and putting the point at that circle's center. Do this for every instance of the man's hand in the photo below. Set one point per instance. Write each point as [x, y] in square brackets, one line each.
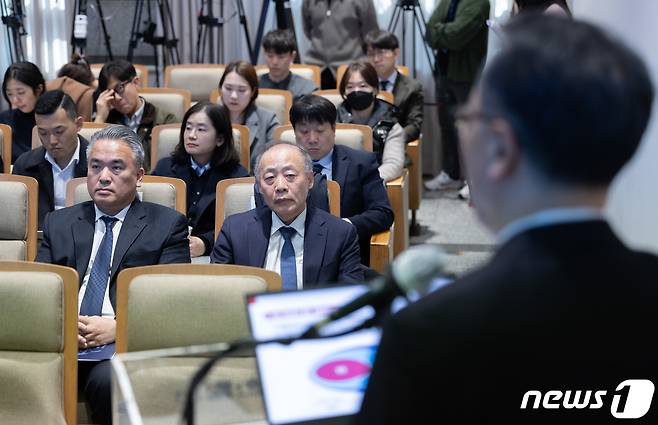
[95, 330]
[197, 247]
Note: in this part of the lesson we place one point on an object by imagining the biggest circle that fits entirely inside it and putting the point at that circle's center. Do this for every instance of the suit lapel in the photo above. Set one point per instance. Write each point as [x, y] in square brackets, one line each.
[340, 164]
[83, 237]
[132, 226]
[46, 177]
[258, 237]
[315, 240]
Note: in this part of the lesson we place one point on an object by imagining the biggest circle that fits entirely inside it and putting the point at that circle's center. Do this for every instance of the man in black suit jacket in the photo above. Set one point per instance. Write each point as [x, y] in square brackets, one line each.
[63, 154]
[363, 198]
[383, 49]
[559, 321]
[326, 245]
[142, 234]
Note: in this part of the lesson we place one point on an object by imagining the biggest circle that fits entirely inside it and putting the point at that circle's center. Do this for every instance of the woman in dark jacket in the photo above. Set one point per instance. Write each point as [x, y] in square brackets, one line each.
[204, 155]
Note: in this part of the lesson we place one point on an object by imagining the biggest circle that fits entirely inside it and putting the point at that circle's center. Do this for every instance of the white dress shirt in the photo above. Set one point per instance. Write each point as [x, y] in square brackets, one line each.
[133, 122]
[99, 232]
[273, 257]
[62, 176]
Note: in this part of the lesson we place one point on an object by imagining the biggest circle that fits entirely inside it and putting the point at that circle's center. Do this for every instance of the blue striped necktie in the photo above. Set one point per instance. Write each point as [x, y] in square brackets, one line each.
[92, 303]
[288, 264]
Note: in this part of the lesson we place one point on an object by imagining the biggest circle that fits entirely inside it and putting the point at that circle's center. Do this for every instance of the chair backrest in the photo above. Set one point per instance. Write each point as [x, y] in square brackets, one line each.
[5, 147]
[342, 68]
[204, 301]
[88, 129]
[277, 101]
[176, 101]
[235, 196]
[165, 191]
[310, 72]
[38, 343]
[356, 136]
[19, 200]
[333, 95]
[165, 137]
[199, 78]
[142, 72]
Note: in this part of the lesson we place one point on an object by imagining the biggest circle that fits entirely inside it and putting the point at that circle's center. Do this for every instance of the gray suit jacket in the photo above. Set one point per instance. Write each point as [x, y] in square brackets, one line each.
[261, 123]
[408, 97]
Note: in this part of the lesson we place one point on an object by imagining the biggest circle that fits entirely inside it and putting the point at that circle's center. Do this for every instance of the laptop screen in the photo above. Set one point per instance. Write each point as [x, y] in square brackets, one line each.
[315, 381]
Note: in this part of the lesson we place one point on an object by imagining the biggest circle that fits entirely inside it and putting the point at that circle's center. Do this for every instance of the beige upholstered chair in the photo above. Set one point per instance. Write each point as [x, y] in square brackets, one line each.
[310, 72]
[200, 79]
[38, 343]
[277, 101]
[165, 137]
[18, 209]
[166, 191]
[341, 71]
[413, 150]
[88, 129]
[142, 72]
[5, 147]
[333, 95]
[176, 101]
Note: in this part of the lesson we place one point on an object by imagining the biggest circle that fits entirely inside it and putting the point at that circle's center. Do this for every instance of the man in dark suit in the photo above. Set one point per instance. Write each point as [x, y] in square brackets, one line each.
[363, 198]
[552, 329]
[383, 49]
[63, 154]
[306, 245]
[99, 238]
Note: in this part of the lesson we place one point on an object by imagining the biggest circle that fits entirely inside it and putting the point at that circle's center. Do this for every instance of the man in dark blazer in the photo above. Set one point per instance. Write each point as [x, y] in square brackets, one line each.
[63, 154]
[557, 327]
[324, 246]
[383, 49]
[363, 198]
[99, 238]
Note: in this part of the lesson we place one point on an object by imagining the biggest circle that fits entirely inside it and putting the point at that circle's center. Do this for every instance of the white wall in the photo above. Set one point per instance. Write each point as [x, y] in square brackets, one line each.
[633, 201]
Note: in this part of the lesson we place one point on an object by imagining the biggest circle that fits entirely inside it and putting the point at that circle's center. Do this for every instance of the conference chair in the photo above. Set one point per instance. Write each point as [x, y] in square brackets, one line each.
[5, 147]
[19, 200]
[88, 129]
[38, 343]
[413, 151]
[333, 95]
[310, 72]
[359, 137]
[175, 305]
[176, 101]
[165, 137]
[199, 78]
[277, 101]
[142, 72]
[166, 191]
[342, 68]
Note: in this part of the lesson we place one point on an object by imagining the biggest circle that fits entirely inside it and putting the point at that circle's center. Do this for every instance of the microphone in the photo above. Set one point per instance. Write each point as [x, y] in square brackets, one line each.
[412, 271]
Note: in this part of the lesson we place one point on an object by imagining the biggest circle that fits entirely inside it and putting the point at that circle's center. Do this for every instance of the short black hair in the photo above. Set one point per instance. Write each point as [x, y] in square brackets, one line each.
[120, 70]
[49, 102]
[279, 42]
[378, 39]
[224, 156]
[578, 101]
[312, 109]
[26, 73]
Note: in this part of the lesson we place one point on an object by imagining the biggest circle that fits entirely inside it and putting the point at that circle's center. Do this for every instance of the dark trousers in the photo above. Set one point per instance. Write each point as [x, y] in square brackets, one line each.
[449, 95]
[94, 378]
[327, 80]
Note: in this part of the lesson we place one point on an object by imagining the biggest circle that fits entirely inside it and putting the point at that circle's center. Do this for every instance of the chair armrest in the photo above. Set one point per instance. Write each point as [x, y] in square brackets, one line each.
[381, 250]
[413, 149]
[398, 196]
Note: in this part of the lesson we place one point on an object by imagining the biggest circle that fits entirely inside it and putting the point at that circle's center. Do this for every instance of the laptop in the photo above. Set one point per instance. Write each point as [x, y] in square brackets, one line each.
[314, 381]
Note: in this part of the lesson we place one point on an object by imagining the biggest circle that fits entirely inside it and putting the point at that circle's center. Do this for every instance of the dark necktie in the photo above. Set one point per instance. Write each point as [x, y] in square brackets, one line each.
[317, 168]
[384, 85]
[288, 264]
[92, 303]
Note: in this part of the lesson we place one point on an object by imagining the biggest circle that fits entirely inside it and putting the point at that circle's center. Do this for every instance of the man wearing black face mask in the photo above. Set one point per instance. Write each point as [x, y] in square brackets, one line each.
[359, 88]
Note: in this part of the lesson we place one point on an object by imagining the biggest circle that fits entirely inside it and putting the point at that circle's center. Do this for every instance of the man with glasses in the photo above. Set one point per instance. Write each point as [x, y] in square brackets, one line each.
[558, 327]
[120, 103]
[383, 49]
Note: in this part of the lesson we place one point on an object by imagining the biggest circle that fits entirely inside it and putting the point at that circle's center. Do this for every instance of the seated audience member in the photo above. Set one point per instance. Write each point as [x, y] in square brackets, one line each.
[383, 49]
[22, 85]
[363, 198]
[204, 155]
[239, 90]
[79, 70]
[62, 155]
[280, 51]
[99, 238]
[306, 245]
[563, 305]
[76, 80]
[120, 103]
[359, 88]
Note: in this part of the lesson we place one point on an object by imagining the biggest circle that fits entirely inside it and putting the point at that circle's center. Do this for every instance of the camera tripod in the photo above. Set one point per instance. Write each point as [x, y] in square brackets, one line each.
[402, 8]
[80, 43]
[12, 18]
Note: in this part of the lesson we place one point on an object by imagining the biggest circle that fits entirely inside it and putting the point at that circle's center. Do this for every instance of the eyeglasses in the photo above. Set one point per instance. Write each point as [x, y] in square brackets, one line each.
[121, 87]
